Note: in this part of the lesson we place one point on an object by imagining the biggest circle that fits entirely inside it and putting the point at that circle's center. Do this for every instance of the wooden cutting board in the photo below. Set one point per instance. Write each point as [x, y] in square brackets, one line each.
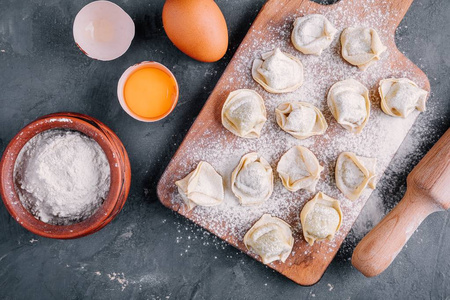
[271, 28]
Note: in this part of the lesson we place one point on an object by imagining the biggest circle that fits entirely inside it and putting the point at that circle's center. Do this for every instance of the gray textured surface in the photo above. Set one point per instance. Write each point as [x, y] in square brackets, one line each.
[147, 251]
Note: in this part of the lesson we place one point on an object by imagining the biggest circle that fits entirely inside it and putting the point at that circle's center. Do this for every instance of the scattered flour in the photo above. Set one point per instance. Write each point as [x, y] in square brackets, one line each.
[223, 150]
[120, 278]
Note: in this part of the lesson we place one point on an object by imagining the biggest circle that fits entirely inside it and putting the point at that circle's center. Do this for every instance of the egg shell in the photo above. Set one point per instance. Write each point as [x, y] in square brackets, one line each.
[198, 28]
[103, 30]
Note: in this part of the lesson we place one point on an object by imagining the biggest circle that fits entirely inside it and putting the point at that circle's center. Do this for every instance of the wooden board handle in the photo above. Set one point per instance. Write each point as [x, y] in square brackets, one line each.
[427, 192]
[395, 9]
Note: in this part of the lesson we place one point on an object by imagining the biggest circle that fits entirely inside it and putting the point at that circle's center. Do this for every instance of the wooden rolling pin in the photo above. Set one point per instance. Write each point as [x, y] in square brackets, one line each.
[428, 190]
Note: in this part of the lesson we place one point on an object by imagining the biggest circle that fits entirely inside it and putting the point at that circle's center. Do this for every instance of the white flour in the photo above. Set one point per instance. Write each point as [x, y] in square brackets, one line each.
[62, 177]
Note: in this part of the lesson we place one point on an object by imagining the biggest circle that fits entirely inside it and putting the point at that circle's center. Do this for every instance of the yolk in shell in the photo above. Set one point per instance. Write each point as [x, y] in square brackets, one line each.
[150, 92]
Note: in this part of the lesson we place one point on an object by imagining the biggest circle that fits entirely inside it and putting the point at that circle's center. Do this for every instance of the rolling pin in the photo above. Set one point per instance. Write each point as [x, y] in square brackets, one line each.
[428, 191]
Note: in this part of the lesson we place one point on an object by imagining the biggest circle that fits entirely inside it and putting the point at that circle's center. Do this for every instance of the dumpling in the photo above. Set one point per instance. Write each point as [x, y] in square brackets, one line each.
[271, 238]
[244, 113]
[312, 34]
[252, 180]
[399, 97]
[354, 173]
[301, 119]
[321, 218]
[278, 72]
[361, 46]
[203, 187]
[349, 103]
[298, 169]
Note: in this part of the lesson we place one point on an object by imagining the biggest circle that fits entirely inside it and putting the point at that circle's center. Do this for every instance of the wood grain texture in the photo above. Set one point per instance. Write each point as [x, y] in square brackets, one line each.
[428, 191]
[303, 269]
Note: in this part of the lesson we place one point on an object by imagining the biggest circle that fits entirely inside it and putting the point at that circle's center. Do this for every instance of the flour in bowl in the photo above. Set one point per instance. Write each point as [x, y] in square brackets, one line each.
[62, 177]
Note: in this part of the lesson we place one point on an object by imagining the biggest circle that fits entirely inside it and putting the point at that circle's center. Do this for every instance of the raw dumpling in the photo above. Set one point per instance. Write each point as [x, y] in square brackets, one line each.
[244, 113]
[271, 238]
[278, 72]
[301, 119]
[361, 46]
[312, 34]
[321, 218]
[252, 180]
[399, 97]
[203, 187]
[349, 103]
[298, 169]
[354, 173]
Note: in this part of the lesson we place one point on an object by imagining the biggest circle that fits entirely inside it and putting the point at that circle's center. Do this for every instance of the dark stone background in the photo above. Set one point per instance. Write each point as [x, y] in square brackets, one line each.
[149, 252]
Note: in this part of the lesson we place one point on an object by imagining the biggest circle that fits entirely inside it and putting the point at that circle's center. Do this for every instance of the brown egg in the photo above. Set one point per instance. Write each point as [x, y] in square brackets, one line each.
[196, 27]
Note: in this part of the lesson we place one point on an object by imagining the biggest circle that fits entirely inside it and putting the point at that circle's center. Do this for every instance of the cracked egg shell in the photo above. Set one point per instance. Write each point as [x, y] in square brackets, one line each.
[103, 30]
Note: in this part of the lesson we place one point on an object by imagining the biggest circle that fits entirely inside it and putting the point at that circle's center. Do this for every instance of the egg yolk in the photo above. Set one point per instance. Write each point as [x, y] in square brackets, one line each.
[150, 92]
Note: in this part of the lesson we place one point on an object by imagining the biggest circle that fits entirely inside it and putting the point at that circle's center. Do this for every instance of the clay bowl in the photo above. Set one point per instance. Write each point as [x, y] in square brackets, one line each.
[119, 166]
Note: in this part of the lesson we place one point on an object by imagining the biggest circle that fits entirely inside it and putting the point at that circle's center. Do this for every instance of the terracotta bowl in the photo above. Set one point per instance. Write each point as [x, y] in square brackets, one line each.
[119, 166]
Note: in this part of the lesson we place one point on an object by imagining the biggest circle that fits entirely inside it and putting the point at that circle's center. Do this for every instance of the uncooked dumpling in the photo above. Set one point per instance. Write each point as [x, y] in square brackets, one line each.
[301, 119]
[354, 173]
[321, 218]
[349, 103]
[399, 97]
[361, 46]
[203, 187]
[278, 72]
[271, 238]
[252, 180]
[298, 169]
[312, 34]
[244, 113]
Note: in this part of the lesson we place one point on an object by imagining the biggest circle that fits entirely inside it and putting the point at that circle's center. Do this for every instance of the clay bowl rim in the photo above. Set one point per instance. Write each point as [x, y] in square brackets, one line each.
[119, 168]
